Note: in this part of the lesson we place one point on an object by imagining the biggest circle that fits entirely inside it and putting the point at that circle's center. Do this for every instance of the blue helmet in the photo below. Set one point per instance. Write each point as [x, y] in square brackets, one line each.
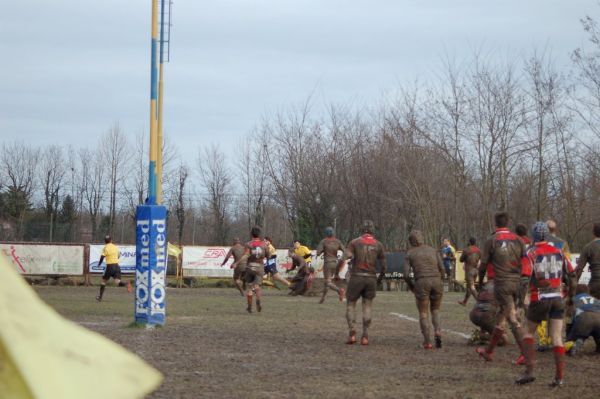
[540, 231]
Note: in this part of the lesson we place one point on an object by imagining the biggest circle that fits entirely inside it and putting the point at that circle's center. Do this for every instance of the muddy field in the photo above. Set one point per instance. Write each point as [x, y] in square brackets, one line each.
[295, 348]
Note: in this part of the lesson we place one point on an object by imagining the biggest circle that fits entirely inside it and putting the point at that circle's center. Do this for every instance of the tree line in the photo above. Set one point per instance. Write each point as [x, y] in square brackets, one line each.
[442, 155]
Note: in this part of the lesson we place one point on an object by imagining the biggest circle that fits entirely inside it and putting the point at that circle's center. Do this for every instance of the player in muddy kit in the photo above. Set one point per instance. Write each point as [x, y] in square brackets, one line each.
[110, 252]
[256, 250]
[483, 314]
[470, 259]
[298, 285]
[427, 285]
[506, 253]
[586, 321]
[591, 254]
[364, 251]
[550, 268]
[271, 264]
[237, 251]
[329, 247]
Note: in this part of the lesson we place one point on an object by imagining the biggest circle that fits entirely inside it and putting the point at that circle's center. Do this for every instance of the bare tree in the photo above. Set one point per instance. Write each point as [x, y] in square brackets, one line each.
[216, 180]
[115, 153]
[19, 164]
[92, 179]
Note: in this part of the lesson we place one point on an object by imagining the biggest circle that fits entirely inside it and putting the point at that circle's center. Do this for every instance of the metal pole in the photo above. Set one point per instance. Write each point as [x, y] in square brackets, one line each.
[153, 97]
[159, 148]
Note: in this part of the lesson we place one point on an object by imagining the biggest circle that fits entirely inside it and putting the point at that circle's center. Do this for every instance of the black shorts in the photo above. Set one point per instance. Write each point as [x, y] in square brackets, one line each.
[539, 311]
[361, 286]
[429, 289]
[113, 270]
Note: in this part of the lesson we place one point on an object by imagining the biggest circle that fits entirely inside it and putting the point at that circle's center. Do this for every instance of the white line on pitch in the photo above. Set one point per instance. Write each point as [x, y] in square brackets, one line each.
[405, 317]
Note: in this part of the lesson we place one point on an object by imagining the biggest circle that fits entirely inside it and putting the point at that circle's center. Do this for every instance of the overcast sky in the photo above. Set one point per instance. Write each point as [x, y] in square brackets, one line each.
[71, 68]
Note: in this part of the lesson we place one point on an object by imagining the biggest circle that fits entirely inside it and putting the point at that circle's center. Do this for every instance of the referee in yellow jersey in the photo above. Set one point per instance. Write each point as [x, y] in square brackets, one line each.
[110, 252]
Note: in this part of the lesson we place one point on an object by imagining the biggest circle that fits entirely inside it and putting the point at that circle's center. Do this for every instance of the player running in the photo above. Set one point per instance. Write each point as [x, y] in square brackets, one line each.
[254, 254]
[470, 259]
[329, 247]
[110, 252]
[237, 251]
[428, 270]
[550, 268]
[365, 251]
[271, 264]
[506, 254]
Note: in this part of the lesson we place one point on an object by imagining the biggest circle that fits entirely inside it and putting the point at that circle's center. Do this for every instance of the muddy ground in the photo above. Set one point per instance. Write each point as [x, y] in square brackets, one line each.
[295, 348]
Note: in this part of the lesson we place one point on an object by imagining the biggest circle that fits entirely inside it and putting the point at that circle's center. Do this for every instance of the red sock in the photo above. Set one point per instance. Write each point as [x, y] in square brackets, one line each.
[249, 299]
[496, 335]
[559, 360]
[258, 291]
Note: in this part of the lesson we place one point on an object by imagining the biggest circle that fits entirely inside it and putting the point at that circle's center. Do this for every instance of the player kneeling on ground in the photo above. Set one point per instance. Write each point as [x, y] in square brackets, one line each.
[483, 315]
[428, 287]
[365, 251]
[550, 268]
[110, 252]
[586, 321]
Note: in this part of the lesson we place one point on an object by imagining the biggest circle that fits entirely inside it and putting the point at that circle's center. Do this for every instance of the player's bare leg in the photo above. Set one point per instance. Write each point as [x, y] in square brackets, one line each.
[437, 325]
[367, 305]
[278, 277]
[257, 293]
[423, 308]
[239, 286]
[351, 319]
[249, 295]
[329, 285]
[556, 326]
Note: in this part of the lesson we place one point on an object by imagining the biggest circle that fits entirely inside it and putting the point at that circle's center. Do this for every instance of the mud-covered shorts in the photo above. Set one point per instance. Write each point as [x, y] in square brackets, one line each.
[239, 272]
[471, 276]
[539, 311]
[113, 270]
[484, 320]
[585, 325]
[429, 288]
[329, 268]
[361, 286]
[506, 294]
[254, 274]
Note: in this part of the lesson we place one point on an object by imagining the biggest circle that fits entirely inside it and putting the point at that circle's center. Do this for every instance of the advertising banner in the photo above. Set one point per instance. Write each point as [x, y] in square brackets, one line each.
[126, 259]
[45, 259]
[206, 262]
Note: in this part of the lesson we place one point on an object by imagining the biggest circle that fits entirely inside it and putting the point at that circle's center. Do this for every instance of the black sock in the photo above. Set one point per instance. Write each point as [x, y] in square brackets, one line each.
[102, 287]
[122, 284]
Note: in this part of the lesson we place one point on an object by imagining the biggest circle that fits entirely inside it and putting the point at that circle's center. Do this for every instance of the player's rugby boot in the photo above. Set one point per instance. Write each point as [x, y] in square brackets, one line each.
[557, 383]
[364, 341]
[438, 342]
[524, 379]
[258, 305]
[520, 361]
[427, 346]
[482, 352]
